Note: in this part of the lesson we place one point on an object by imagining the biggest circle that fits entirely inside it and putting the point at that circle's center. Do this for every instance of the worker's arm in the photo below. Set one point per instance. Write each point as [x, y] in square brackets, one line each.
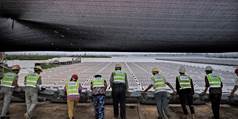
[191, 83]
[221, 84]
[80, 88]
[65, 90]
[177, 85]
[105, 84]
[234, 90]
[25, 81]
[126, 82]
[15, 82]
[148, 88]
[39, 81]
[206, 85]
[170, 86]
[111, 80]
[91, 85]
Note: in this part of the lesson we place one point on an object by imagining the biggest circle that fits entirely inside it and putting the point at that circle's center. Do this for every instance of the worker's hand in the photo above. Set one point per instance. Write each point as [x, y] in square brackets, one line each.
[143, 93]
[43, 88]
[174, 93]
[203, 93]
[232, 95]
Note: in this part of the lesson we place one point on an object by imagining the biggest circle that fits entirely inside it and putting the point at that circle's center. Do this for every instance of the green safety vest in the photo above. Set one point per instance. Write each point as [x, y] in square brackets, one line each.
[119, 76]
[158, 82]
[8, 79]
[98, 83]
[32, 79]
[72, 88]
[214, 80]
[184, 81]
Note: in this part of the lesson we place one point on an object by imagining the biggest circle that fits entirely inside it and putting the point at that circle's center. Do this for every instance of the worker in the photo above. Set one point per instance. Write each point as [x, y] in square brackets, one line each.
[72, 90]
[32, 84]
[8, 84]
[119, 84]
[213, 81]
[236, 83]
[185, 90]
[98, 87]
[161, 93]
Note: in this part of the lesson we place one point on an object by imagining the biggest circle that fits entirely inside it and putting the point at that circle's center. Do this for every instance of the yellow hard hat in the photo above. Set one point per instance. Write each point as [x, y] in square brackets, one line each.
[118, 65]
[182, 69]
[38, 68]
[155, 69]
[16, 67]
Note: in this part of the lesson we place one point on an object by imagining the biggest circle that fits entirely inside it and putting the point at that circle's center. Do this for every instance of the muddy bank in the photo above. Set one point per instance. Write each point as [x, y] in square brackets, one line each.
[134, 111]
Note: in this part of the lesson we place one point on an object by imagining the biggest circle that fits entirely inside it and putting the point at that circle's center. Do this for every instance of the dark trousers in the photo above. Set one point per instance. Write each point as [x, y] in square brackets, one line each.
[98, 101]
[215, 101]
[186, 99]
[119, 95]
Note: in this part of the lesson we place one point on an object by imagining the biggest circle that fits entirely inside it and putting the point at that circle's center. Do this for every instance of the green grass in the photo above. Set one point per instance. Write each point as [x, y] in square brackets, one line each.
[48, 66]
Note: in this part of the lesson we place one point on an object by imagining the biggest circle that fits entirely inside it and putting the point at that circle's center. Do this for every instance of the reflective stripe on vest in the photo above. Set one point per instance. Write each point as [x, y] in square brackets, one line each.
[119, 77]
[32, 79]
[184, 82]
[72, 88]
[158, 82]
[214, 80]
[8, 79]
[98, 83]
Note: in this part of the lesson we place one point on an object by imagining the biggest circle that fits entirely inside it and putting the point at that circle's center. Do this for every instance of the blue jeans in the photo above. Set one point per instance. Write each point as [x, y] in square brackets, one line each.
[162, 101]
[99, 106]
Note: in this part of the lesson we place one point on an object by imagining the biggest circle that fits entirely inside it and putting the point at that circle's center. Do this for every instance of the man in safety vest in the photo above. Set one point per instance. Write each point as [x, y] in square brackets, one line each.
[72, 89]
[161, 93]
[213, 81]
[236, 83]
[119, 84]
[32, 84]
[185, 90]
[8, 83]
[98, 87]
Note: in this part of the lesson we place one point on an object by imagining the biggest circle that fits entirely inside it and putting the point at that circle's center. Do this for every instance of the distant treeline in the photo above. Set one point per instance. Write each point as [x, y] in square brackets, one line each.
[29, 57]
[44, 57]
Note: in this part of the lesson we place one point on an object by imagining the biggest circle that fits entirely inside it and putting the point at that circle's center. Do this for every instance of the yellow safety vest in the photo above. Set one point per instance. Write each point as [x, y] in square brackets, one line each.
[32, 79]
[184, 81]
[119, 76]
[72, 88]
[158, 82]
[8, 79]
[98, 83]
[214, 80]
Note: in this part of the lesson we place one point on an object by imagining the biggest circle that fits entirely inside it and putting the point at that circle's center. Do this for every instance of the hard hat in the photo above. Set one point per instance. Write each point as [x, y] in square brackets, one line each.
[38, 68]
[75, 76]
[98, 75]
[118, 66]
[155, 69]
[182, 69]
[236, 70]
[208, 68]
[16, 67]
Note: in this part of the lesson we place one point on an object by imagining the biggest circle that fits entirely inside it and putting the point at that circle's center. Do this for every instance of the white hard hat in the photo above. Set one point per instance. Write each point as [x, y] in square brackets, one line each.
[182, 69]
